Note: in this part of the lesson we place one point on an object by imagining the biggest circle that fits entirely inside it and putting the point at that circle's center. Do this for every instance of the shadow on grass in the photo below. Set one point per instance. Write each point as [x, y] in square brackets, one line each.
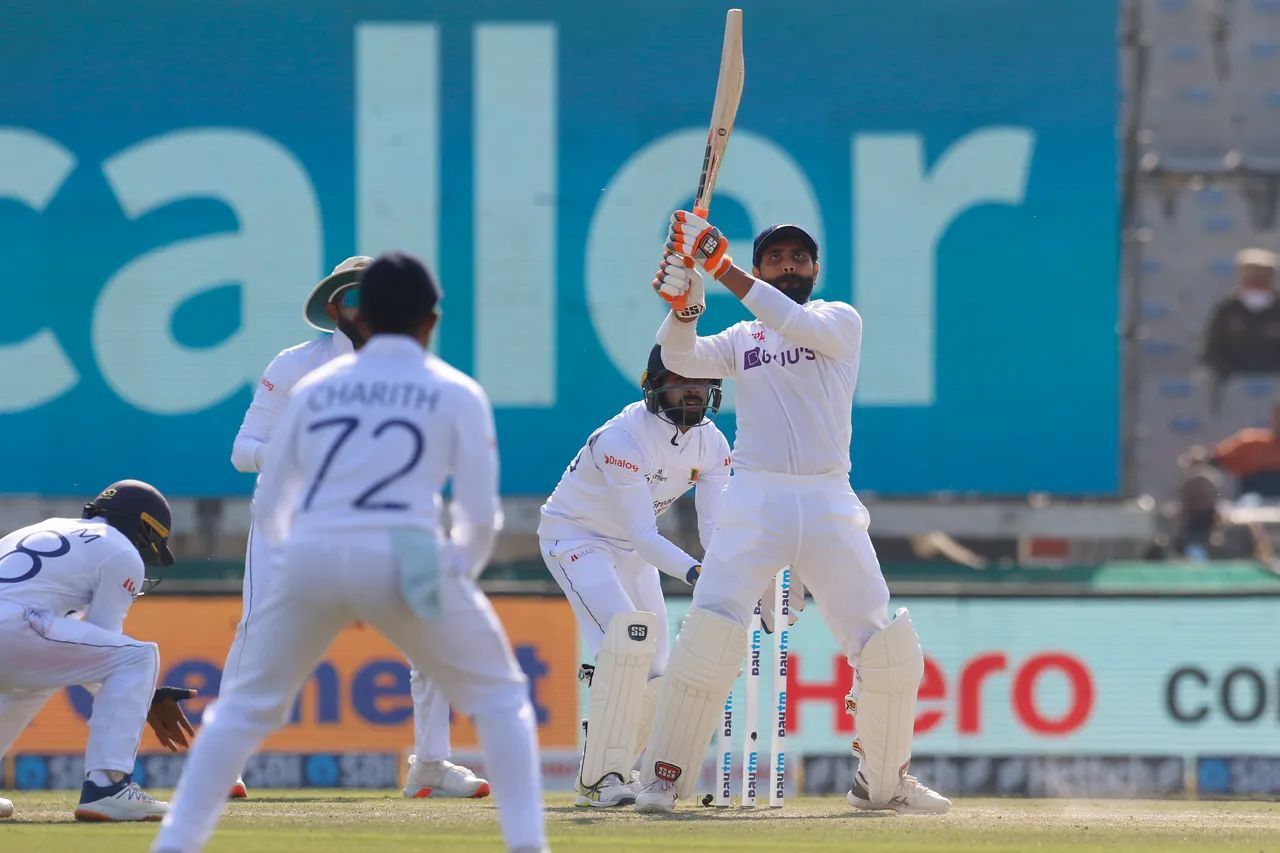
[586, 817]
[255, 799]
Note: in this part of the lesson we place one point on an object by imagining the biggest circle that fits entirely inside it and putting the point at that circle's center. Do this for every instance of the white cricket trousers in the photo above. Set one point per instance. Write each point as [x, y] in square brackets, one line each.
[322, 585]
[816, 525]
[431, 741]
[41, 653]
[601, 581]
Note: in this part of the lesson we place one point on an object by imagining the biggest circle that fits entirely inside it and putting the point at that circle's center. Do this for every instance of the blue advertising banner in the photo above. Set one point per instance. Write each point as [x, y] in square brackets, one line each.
[174, 178]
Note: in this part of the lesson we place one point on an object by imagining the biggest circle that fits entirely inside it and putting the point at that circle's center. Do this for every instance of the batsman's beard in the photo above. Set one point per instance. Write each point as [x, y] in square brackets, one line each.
[796, 287]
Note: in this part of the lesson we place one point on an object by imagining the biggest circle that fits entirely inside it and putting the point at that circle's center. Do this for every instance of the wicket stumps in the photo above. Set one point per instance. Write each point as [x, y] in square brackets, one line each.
[781, 611]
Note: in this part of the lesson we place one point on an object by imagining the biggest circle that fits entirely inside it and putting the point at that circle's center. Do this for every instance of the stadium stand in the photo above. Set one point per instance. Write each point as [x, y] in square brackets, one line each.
[1206, 116]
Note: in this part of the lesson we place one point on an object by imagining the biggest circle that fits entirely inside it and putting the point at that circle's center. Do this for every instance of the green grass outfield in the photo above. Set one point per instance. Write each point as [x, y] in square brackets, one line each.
[318, 820]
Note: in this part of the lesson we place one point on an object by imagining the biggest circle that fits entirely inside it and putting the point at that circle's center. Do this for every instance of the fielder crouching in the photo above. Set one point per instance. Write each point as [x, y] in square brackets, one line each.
[600, 540]
[788, 503]
[66, 586]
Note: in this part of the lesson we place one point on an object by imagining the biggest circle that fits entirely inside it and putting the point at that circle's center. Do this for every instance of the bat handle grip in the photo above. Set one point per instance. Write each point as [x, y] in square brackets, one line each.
[700, 211]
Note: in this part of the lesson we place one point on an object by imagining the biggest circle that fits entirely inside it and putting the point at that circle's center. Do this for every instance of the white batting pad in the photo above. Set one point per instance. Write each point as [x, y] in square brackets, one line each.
[615, 702]
[883, 703]
[704, 664]
[649, 704]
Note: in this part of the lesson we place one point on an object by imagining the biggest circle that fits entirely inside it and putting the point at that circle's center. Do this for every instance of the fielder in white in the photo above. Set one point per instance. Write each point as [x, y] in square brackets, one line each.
[788, 503]
[93, 567]
[599, 537]
[351, 512]
[331, 308]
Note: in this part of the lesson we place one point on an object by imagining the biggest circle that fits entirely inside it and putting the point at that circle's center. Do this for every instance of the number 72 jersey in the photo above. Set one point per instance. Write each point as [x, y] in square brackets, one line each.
[369, 440]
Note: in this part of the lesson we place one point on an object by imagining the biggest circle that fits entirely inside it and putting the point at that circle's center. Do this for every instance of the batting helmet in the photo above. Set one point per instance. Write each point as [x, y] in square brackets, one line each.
[654, 381]
[141, 513]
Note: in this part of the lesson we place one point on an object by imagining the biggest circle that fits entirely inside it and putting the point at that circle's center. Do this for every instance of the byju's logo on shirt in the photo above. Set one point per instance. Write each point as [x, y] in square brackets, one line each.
[621, 463]
[756, 356]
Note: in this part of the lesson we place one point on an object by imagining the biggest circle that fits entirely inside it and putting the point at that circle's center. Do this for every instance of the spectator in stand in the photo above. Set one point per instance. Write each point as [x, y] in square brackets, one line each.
[1244, 330]
[1198, 529]
[1251, 455]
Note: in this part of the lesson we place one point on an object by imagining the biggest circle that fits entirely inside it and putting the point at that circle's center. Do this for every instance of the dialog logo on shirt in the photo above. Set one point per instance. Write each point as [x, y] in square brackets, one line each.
[756, 356]
[610, 459]
[268, 384]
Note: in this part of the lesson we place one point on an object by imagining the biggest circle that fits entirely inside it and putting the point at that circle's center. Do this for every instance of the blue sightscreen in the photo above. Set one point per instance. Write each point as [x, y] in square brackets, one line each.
[175, 177]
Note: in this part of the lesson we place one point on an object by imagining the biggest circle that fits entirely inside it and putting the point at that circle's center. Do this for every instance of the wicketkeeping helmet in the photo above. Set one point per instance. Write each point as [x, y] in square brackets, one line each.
[654, 382]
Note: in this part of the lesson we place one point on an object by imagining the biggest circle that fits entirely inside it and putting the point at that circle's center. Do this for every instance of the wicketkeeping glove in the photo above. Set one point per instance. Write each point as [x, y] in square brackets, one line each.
[678, 277]
[795, 603]
[167, 719]
[696, 238]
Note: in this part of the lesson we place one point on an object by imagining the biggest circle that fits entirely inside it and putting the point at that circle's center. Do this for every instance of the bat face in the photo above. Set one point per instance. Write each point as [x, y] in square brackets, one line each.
[724, 111]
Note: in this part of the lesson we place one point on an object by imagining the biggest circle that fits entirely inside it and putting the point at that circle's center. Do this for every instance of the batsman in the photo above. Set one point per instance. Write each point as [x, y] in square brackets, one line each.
[788, 502]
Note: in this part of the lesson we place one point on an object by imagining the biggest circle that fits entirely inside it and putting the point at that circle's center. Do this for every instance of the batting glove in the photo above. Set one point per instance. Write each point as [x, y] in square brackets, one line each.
[678, 281]
[696, 238]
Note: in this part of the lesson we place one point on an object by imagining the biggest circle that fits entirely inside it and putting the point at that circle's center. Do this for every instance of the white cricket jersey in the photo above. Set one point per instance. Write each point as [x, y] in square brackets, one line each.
[67, 565]
[368, 441]
[272, 393]
[795, 368]
[628, 473]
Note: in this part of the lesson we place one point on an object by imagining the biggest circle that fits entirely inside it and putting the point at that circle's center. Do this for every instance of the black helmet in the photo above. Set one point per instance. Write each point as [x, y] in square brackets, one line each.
[141, 513]
[653, 381]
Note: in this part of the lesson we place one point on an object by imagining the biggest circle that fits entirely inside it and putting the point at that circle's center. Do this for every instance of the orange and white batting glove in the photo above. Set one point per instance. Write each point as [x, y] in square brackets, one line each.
[680, 284]
[696, 238]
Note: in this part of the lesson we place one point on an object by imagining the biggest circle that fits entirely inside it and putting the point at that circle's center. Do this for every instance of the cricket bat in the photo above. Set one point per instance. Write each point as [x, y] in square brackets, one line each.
[723, 113]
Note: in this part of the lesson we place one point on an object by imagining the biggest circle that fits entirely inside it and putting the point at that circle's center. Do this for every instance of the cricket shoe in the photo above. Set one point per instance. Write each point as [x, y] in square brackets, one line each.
[122, 801]
[910, 797]
[238, 790]
[443, 779]
[608, 793]
[6, 808]
[658, 797]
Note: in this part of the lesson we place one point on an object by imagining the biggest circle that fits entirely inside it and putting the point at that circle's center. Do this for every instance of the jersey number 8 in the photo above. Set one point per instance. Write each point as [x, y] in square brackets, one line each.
[37, 558]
